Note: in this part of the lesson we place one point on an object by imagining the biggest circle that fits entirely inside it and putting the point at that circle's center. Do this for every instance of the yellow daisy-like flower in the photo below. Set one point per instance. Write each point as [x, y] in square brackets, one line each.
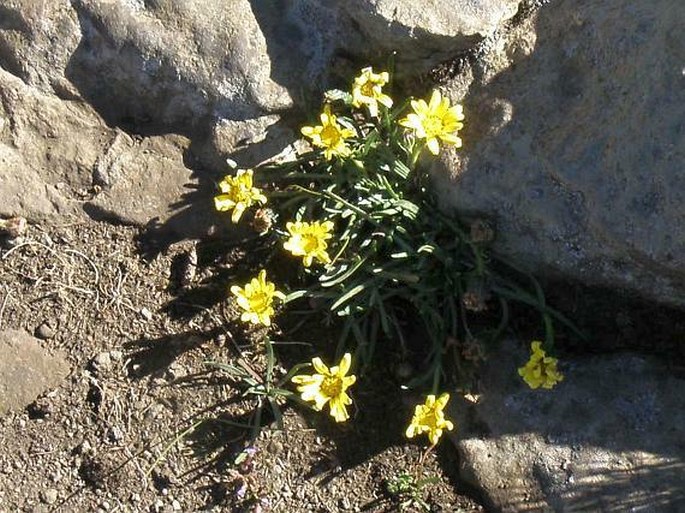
[430, 418]
[329, 135]
[238, 194]
[367, 90]
[540, 370]
[308, 240]
[256, 298]
[435, 120]
[328, 386]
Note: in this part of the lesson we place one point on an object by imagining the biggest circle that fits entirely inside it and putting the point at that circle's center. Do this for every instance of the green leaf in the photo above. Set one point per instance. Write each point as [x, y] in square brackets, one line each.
[347, 296]
[297, 294]
[336, 95]
[400, 169]
[334, 280]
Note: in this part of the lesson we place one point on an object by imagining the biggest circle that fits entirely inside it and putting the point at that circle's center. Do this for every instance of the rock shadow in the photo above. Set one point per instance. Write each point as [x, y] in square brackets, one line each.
[151, 356]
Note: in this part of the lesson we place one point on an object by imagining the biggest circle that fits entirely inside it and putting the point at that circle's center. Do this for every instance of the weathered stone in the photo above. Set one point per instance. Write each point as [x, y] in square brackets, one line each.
[248, 142]
[577, 150]
[45, 331]
[48, 148]
[143, 179]
[609, 438]
[37, 39]
[26, 370]
[169, 65]
[52, 151]
[425, 32]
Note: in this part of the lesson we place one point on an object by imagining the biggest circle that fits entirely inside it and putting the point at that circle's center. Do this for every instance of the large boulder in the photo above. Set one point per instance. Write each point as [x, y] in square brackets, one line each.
[577, 149]
[82, 80]
[609, 438]
[58, 156]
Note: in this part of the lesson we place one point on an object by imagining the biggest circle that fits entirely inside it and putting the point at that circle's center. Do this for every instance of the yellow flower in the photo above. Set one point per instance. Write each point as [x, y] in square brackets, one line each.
[540, 370]
[430, 418]
[237, 194]
[435, 120]
[367, 91]
[256, 299]
[329, 135]
[328, 386]
[308, 240]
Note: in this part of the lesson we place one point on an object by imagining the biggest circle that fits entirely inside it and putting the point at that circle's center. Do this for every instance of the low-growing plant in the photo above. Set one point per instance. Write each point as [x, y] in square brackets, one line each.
[267, 390]
[358, 211]
[409, 491]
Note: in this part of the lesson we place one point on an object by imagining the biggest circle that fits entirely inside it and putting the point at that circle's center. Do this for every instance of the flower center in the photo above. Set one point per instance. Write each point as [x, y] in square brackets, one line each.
[331, 386]
[310, 243]
[259, 302]
[330, 135]
[367, 89]
[430, 419]
[433, 125]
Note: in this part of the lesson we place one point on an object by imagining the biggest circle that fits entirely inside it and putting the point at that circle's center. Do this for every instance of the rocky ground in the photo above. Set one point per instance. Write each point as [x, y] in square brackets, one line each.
[102, 368]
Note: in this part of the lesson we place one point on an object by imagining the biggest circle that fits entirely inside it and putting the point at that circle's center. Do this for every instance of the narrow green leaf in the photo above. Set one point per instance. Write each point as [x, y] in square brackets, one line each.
[347, 296]
[337, 279]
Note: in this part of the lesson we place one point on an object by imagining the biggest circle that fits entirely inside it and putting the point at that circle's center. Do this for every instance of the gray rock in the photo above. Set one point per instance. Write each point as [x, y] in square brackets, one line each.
[249, 142]
[169, 65]
[425, 32]
[53, 151]
[26, 370]
[577, 149]
[47, 150]
[45, 331]
[609, 438]
[37, 39]
[144, 179]
[102, 363]
[49, 496]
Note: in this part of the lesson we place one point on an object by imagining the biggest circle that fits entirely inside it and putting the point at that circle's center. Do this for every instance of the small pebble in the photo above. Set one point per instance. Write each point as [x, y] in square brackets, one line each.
[102, 362]
[84, 448]
[45, 331]
[176, 505]
[274, 447]
[115, 434]
[49, 496]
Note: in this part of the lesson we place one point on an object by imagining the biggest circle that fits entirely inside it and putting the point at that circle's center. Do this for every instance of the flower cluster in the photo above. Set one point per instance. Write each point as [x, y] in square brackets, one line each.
[368, 90]
[540, 370]
[435, 121]
[330, 135]
[352, 216]
[308, 240]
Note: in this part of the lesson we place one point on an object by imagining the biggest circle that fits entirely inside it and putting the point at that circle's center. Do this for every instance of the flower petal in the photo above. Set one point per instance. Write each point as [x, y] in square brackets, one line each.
[344, 365]
[319, 366]
[433, 145]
